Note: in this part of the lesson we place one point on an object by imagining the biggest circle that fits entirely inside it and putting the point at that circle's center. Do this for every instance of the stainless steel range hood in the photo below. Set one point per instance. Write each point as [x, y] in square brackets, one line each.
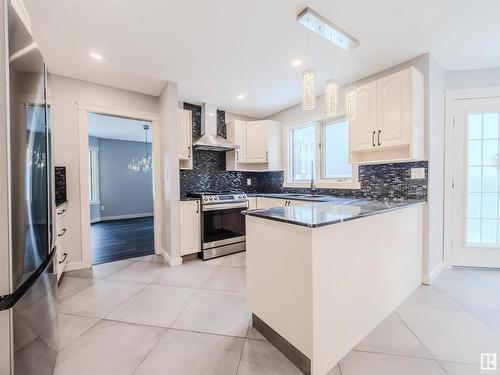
[209, 139]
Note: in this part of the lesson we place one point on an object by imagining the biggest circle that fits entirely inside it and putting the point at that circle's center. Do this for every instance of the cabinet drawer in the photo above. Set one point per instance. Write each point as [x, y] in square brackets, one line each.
[61, 212]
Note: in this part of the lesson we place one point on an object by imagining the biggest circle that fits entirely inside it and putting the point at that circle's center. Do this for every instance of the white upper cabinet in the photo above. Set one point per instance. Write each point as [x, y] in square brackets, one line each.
[393, 103]
[362, 128]
[259, 145]
[389, 119]
[185, 135]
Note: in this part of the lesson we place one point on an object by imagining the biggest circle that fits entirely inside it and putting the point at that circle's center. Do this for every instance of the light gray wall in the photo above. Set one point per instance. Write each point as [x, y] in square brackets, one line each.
[66, 93]
[169, 147]
[472, 79]
[122, 191]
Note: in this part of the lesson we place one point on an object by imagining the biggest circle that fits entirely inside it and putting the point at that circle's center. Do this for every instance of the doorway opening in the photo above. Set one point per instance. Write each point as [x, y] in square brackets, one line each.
[120, 185]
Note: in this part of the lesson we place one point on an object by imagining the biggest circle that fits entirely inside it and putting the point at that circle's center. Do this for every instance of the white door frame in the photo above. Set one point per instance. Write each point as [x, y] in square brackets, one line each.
[451, 97]
[83, 134]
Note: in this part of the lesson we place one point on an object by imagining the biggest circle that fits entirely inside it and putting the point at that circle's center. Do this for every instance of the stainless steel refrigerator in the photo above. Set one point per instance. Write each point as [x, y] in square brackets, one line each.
[28, 324]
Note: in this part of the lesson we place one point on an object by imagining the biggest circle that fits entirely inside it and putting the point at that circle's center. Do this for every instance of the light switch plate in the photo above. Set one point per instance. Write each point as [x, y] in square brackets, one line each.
[417, 173]
[102, 207]
[249, 181]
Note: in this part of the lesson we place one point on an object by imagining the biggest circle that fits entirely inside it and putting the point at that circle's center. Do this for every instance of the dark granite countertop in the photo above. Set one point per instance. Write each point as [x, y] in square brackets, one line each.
[318, 214]
[306, 197]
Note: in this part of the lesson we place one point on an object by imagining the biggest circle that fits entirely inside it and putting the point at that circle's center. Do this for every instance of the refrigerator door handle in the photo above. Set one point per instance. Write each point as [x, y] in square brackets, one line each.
[8, 301]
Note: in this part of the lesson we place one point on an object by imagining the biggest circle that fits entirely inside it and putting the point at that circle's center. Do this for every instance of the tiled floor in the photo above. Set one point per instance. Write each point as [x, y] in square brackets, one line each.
[142, 317]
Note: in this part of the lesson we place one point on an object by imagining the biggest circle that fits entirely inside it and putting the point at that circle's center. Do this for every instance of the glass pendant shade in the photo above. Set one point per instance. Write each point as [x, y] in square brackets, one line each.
[331, 97]
[351, 98]
[308, 90]
[146, 163]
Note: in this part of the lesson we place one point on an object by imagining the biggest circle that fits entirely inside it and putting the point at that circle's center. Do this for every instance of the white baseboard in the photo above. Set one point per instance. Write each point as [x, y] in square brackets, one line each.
[76, 266]
[171, 261]
[120, 217]
[431, 276]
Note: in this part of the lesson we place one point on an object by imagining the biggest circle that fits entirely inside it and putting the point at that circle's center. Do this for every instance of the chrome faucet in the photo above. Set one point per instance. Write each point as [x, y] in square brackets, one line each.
[312, 190]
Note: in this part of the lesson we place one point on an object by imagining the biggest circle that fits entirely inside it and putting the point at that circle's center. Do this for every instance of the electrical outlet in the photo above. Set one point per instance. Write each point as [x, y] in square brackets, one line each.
[249, 181]
[417, 173]
[102, 207]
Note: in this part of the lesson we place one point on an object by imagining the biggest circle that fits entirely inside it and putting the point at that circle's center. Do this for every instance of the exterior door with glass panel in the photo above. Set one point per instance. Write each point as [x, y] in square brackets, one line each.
[476, 191]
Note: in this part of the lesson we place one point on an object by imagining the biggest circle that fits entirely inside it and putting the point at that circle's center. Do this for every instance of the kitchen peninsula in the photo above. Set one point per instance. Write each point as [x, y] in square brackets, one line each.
[321, 276]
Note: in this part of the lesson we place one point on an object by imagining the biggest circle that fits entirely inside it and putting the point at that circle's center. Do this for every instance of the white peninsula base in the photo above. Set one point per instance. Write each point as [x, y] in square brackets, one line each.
[321, 290]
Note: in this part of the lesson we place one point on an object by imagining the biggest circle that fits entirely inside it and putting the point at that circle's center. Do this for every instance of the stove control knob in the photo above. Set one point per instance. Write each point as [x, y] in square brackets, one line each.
[211, 198]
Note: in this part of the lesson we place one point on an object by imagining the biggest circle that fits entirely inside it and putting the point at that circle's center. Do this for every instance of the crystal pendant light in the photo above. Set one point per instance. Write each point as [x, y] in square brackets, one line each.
[351, 98]
[146, 163]
[331, 97]
[308, 90]
[308, 83]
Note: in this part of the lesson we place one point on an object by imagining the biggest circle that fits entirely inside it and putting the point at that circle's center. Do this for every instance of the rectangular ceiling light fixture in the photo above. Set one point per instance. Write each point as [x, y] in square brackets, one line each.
[328, 30]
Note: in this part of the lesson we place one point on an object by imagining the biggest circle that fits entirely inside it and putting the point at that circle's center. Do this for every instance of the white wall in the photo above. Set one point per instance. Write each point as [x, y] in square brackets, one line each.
[434, 82]
[65, 93]
[434, 230]
[472, 79]
[168, 110]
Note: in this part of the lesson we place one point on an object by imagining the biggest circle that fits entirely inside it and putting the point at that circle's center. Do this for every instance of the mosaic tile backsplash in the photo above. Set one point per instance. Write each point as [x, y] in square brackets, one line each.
[209, 173]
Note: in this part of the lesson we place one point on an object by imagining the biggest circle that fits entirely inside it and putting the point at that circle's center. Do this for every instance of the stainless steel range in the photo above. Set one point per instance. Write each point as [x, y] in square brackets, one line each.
[222, 223]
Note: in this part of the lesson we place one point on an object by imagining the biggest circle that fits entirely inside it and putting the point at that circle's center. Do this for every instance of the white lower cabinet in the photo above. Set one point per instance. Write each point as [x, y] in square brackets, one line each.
[190, 227]
[61, 256]
[265, 202]
[252, 203]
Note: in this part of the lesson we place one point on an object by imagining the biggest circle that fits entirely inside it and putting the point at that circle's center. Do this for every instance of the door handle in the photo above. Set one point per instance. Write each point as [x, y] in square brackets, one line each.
[197, 207]
[378, 137]
[373, 138]
[237, 155]
[189, 152]
[65, 255]
[267, 153]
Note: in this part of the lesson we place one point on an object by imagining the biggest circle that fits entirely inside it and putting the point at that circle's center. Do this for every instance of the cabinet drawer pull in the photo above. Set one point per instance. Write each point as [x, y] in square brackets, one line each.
[237, 155]
[378, 137]
[189, 152]
[373, 138]
[267, 153]
[62, 233]
[62, 211]
[197, 207]
[64, 258]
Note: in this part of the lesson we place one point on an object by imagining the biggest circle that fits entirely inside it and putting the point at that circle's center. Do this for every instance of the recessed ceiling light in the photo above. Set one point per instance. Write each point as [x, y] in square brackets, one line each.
[96, 56]
[297, 62]
[241, 96]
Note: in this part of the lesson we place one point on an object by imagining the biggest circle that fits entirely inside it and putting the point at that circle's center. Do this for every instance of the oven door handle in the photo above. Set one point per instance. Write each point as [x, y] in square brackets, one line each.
[224, 206]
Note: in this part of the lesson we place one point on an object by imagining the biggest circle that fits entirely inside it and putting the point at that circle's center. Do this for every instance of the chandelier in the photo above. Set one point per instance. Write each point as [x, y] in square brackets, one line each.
[146, 163]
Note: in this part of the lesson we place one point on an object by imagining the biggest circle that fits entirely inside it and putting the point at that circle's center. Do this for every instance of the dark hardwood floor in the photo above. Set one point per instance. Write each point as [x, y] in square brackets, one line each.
[122, 239]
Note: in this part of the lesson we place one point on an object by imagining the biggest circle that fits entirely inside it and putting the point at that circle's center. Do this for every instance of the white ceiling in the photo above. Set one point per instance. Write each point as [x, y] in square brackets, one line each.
[216, 50]
[110, 127]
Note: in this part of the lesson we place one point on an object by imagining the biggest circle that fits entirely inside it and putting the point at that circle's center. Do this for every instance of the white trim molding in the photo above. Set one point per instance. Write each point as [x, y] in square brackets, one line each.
[83, 110]
[429, 278]
[172, 262]
[450, 97]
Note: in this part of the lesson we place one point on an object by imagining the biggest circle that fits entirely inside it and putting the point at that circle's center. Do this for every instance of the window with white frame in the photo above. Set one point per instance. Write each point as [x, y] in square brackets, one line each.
[93, 175]
[321, 149]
